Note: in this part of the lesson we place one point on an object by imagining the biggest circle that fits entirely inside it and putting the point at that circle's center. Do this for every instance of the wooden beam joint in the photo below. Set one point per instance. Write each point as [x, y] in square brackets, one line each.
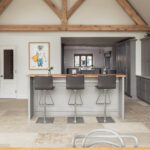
[74, 8]
[54, 8]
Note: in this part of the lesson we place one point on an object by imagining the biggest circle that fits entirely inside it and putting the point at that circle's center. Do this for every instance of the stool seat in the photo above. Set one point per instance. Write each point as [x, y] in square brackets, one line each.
[106, 82]
[48, 88]
[75, 82]
[104, 87]
[72, 88]
[44, 83]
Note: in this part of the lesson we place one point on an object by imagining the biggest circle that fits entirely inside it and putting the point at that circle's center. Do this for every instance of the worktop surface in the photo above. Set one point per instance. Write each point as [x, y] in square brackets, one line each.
[85, 75]
[142, 76]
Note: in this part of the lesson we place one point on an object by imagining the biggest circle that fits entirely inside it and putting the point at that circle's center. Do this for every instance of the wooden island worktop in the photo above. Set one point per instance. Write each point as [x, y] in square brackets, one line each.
[90, 93]
[85, 75]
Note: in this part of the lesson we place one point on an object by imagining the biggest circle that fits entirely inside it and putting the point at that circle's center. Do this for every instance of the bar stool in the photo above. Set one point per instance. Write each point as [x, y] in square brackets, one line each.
[105, 83]
[45, 84]
[75, 83]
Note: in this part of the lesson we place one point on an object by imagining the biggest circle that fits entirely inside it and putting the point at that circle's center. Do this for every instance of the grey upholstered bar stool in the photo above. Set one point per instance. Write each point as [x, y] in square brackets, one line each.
[105, 83]
[45, 84]
[75, 83]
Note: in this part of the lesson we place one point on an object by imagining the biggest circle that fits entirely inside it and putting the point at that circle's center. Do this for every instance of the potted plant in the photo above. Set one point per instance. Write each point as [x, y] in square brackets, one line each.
[50, 69]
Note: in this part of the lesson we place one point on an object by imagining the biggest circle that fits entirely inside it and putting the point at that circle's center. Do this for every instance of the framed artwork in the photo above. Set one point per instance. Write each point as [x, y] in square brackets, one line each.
[39, 55]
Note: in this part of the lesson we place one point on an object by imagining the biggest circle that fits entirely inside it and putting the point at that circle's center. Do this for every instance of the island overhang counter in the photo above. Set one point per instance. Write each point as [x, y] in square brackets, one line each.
[89, 95]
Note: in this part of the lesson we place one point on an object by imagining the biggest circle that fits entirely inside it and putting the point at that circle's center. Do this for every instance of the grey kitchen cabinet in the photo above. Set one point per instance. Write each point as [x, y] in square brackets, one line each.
[147, 89]
[125, 64]
[139, 87]
[143, 88]
[143, 81]
[146, 56]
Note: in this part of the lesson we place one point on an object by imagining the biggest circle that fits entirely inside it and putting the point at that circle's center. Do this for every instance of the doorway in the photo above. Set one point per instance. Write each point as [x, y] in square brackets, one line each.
[7, 72]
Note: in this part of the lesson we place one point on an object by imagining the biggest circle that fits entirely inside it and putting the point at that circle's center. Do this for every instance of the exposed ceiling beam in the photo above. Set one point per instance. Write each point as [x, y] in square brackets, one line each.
[74, 8]
[54, 8]
[3, 5]
[129, 9]
[30, 27]
[136, 28]
[64, 12]
[108, 28]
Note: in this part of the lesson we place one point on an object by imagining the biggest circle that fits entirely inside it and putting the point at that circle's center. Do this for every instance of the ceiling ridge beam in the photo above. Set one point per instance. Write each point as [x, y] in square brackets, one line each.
[74, 8]
[54, 8]
[137, 28]
[3, 5]
[130, 10]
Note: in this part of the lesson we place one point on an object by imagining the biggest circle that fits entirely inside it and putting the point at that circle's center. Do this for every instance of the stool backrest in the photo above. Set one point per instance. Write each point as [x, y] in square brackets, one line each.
[44, 83]
[107, 81]
[104, 136]
[75, 82]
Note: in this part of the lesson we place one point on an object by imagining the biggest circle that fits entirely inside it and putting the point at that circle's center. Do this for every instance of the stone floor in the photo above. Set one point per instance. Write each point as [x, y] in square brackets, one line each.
[17, 131]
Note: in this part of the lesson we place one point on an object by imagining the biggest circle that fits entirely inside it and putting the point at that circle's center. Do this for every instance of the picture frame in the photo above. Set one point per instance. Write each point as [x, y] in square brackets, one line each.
[39, 55]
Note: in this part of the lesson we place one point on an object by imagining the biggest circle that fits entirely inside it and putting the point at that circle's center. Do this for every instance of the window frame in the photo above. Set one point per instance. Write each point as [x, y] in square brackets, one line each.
[86, 55]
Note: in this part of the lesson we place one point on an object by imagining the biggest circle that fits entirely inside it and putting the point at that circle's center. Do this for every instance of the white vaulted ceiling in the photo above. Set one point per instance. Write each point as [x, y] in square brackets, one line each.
[143, 8]
[102, 12]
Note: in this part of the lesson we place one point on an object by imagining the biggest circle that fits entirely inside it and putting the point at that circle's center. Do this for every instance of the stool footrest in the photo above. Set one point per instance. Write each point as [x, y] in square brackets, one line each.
[74, 104]
[101, 103]
[46, 104]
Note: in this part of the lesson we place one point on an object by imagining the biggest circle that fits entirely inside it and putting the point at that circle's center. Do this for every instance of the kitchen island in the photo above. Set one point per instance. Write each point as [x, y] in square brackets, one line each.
[89, 95]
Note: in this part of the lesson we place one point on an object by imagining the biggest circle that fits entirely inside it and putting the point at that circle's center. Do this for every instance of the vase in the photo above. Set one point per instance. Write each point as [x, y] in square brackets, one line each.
[49, 73]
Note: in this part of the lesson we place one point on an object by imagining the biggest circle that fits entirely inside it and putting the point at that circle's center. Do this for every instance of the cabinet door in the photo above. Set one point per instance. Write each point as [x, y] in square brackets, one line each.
[147, 90]
[143, 89]
[127, 67]
[146, 57]
[139, 87]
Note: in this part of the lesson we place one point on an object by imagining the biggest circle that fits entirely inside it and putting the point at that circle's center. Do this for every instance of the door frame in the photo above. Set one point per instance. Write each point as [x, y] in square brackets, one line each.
[5, 47]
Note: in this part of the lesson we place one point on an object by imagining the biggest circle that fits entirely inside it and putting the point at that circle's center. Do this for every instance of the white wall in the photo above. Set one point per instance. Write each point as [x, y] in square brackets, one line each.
[37, 12]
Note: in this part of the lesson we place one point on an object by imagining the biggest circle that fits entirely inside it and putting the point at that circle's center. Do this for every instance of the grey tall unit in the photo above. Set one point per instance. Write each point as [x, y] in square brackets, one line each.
[146, 56]
[143, 81]
[125, 64]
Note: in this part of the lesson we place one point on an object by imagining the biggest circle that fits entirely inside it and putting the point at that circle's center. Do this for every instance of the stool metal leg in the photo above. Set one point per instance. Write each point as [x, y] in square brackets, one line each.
[45, 109]
[105, 107]
[75, 119]
[105, 119]
[44, 119]
[75, 108]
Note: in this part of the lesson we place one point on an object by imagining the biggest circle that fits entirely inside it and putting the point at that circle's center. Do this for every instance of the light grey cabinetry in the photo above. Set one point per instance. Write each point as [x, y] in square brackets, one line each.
[146, 57]
[138, 80]
[143, 88]
[125, 64]
[147, 90]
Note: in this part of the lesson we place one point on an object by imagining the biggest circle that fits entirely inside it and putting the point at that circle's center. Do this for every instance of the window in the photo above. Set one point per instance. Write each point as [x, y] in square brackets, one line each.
[77, 61]
[83, 60]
